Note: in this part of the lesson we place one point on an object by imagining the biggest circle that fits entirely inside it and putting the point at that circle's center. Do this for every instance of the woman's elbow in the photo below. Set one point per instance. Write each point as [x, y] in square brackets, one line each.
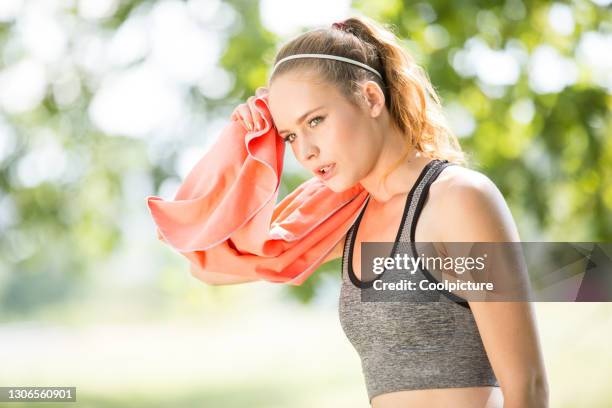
[532, 394]
[538, 393]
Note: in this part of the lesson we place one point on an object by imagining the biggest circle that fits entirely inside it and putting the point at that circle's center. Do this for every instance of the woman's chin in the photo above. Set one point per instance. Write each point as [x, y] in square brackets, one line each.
[336, 187]
[331, 186]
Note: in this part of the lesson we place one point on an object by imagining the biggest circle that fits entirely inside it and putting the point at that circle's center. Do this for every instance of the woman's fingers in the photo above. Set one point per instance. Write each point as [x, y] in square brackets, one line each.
[235, 115]
[261, 91]
[239, 119]
[247, 114]
[256, 120]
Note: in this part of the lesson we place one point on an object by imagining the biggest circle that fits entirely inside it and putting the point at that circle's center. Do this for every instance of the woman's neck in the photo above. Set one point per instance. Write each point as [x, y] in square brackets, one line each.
[402, 178]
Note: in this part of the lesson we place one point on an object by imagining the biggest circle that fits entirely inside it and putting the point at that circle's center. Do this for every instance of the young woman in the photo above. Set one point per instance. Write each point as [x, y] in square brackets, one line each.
[360, 110]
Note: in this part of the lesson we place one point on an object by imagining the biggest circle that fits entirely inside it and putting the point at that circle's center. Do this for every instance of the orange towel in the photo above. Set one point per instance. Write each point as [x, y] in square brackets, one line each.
[224, 218]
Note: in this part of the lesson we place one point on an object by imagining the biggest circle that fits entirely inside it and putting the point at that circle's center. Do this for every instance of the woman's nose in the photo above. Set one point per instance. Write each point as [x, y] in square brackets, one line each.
[308, 151]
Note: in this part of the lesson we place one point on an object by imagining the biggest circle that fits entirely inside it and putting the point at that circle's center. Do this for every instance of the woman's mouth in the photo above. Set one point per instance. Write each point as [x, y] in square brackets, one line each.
[327, 172]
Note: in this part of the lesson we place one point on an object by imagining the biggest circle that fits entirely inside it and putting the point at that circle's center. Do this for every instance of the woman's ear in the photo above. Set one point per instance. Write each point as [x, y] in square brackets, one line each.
[374, 98]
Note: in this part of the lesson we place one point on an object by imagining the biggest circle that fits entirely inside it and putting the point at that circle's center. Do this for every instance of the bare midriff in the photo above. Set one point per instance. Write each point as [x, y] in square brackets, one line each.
[467, 397]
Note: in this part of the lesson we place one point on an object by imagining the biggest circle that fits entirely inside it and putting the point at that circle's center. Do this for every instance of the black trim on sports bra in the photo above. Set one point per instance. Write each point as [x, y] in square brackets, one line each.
[353, 235]
[457, 299]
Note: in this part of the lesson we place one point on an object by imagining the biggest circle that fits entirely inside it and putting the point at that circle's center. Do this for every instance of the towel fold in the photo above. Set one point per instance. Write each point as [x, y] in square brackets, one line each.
[224, 218]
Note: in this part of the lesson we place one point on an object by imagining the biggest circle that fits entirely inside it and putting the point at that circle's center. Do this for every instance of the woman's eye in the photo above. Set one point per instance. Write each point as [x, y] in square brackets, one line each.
[286, 139]
[315, 118]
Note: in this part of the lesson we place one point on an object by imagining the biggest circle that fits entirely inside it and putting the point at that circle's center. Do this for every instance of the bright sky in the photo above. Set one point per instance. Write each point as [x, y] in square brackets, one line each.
[285, 18]
[140, 75]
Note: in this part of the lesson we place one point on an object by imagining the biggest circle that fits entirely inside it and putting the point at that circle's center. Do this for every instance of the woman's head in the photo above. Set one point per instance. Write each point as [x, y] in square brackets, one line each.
[322, 126]
[356, 101]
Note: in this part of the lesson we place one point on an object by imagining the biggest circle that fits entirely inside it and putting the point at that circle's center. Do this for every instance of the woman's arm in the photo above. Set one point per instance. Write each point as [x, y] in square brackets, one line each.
[215, 279]
[337, 251]
[474, 210]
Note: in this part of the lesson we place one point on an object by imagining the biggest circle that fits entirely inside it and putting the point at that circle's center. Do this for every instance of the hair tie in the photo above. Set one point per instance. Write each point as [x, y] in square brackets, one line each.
[340, 25]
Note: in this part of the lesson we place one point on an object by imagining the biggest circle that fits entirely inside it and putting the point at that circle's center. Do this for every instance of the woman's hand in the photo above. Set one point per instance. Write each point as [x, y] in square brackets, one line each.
[247, 114]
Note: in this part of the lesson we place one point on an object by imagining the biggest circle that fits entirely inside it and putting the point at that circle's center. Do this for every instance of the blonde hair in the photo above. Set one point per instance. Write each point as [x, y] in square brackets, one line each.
[412, 101]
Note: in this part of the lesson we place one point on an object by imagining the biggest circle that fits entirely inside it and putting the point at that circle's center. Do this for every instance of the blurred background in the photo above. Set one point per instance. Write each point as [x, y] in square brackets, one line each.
[104, 102]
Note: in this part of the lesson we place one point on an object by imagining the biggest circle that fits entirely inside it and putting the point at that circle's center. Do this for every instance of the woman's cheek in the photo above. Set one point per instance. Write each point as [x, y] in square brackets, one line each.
[343, 137]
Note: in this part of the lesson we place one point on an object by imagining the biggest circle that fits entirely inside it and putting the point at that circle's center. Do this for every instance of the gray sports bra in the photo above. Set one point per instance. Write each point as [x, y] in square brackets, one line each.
[406, 345]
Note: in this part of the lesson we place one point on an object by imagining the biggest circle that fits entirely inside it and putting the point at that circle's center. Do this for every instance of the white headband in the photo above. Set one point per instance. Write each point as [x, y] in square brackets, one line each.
[327, 56]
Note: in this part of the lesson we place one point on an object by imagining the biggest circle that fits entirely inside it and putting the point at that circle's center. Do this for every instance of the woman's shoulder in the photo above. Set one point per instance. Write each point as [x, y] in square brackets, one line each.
[459, 183]
[465, 198]
[458, 189]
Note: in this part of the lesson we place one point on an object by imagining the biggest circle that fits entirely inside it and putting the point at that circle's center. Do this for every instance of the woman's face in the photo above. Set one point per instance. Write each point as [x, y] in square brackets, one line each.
[322, 127]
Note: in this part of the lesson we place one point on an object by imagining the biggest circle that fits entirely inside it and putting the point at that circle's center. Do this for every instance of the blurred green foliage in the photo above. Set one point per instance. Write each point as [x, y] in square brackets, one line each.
[553, 170]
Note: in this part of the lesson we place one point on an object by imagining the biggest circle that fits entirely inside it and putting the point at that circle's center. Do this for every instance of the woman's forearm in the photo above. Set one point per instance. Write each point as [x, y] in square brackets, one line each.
[215, 279]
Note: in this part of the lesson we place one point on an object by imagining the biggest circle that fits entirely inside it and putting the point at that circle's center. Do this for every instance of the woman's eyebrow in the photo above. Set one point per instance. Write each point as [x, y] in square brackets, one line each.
[301, 118]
